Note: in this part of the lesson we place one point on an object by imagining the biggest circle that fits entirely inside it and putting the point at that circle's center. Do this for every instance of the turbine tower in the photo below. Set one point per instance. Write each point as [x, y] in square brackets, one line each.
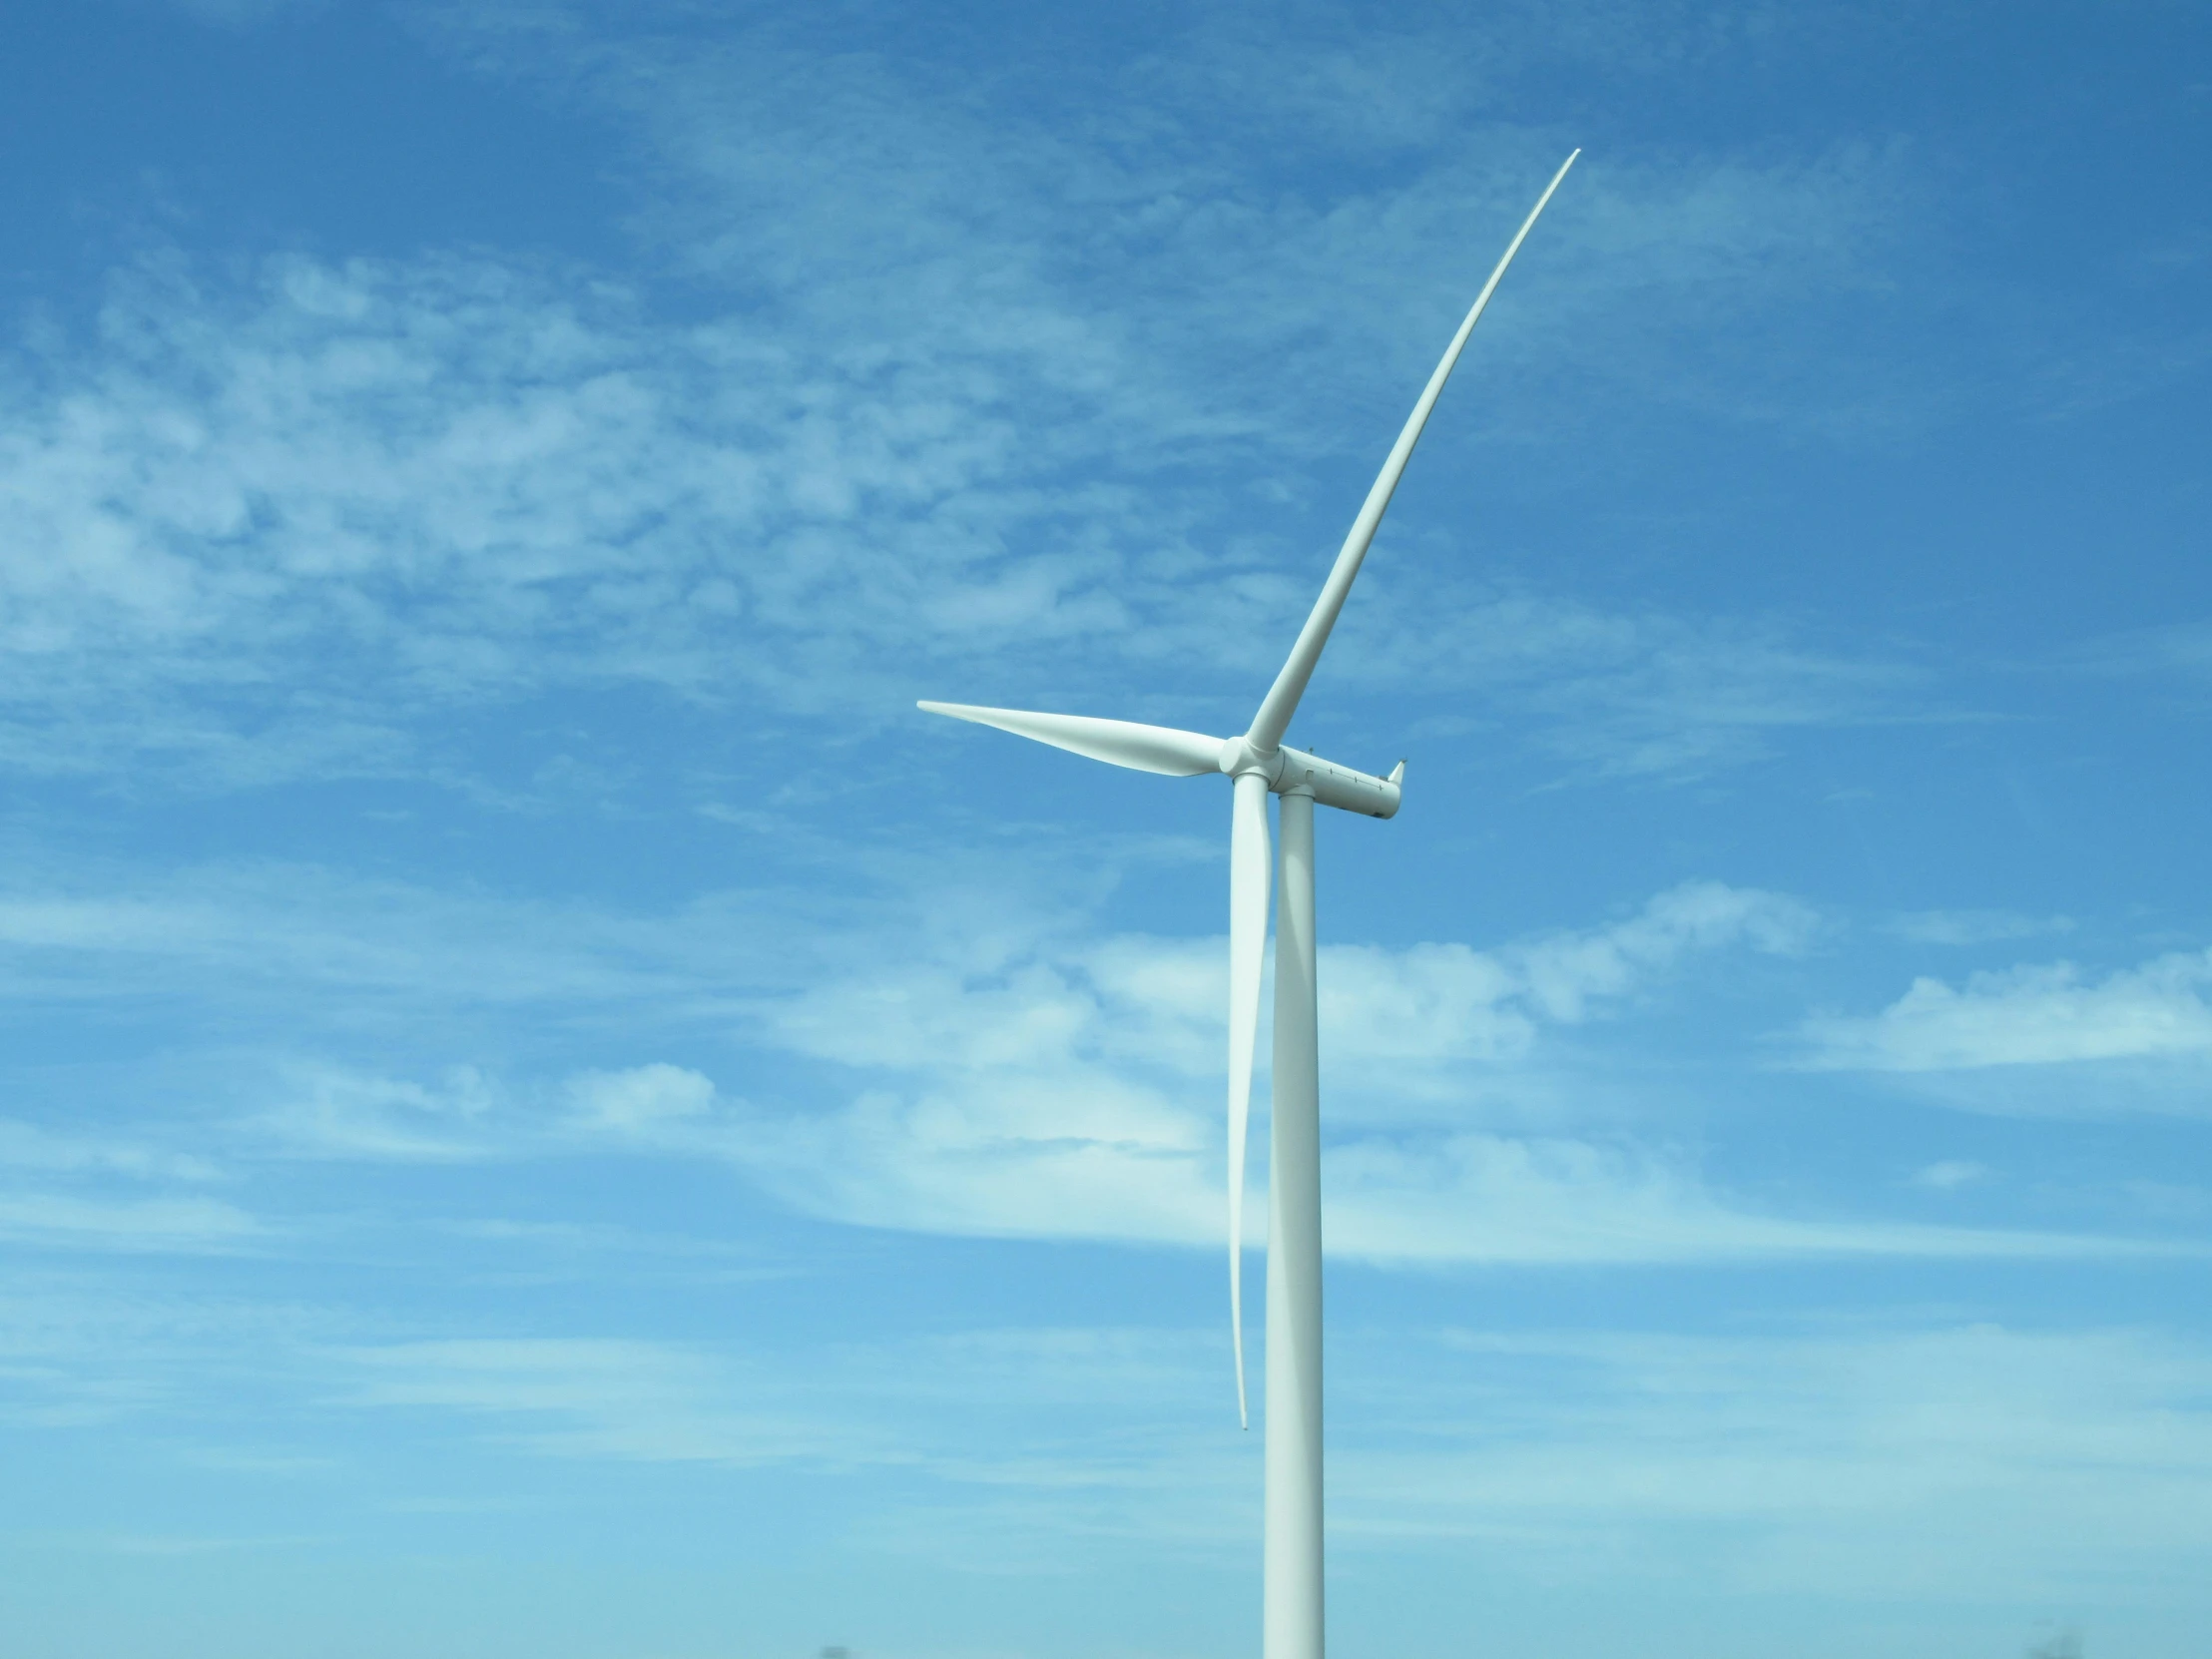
[1256, 765]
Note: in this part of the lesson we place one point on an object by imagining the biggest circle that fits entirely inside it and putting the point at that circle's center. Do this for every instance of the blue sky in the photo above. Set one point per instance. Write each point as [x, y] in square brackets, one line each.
[546, 1110]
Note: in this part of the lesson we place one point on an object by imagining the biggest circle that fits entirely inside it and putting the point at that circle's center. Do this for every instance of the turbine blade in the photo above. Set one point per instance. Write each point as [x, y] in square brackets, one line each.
[1124, 742]
[1250, 871]
[1274, 718]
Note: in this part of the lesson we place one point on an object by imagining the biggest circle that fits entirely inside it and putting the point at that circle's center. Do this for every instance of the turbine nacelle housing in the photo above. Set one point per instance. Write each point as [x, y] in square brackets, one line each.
[1302, 771]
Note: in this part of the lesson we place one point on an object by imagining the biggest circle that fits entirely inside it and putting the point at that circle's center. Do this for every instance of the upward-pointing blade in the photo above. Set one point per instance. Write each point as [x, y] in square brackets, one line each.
[1124, 742]
[1250, 869]
[1274, 718]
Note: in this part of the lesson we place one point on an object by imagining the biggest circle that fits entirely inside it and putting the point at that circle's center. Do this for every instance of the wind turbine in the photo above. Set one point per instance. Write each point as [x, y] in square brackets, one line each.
[1256, 765]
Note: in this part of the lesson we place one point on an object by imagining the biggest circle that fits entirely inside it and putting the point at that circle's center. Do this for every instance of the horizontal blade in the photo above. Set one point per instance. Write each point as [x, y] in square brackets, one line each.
[1124, 742]
[1250, 869]
[1274, 718]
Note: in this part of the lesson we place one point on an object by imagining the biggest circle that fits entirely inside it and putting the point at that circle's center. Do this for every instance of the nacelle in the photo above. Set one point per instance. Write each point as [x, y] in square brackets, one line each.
[1336, 785]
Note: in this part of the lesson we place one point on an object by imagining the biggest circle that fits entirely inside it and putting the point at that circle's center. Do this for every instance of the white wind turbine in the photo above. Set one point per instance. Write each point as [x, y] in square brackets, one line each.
[1256, 764]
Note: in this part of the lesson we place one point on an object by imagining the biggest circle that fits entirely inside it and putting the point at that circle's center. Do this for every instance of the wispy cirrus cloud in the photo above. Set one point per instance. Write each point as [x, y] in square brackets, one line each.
[1903, 1431]
[1936, 1447]
[69, 1190]
[381, 487]
[268, 523]
[2180, 652]
[596, 1397]
[1950, 1174]
[27, 1146]
[1948, 1458]
[886, 188]
[163, 1225]
[940, 402]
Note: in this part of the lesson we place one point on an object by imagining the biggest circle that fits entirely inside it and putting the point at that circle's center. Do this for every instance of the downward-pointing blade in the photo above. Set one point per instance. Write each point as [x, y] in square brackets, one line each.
[1250, 869]
[1160, 748]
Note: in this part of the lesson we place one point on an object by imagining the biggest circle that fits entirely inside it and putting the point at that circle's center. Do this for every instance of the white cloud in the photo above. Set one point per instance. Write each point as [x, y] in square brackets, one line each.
[1962, 1462]
[1622, 692]
[327, 944]
[1966, 927]
[242, 14]
[2181, 651]
[1140, 224]
[381, 484]
[1085, 1155]
[60, 1191]
[642, 1097]
[979, 1416]
[1499, 1199]
[1000, 1073]
[589, 1397]
[1948, 1174]
[62, 1220]
[268, 528]
[329, 1112]
[1921, 1464]
[1565, 971]
[1158, 1002]
[270, 520]
[1070, 1092]
[1016, 1081]
[2032, 1015]
[32, 1146]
